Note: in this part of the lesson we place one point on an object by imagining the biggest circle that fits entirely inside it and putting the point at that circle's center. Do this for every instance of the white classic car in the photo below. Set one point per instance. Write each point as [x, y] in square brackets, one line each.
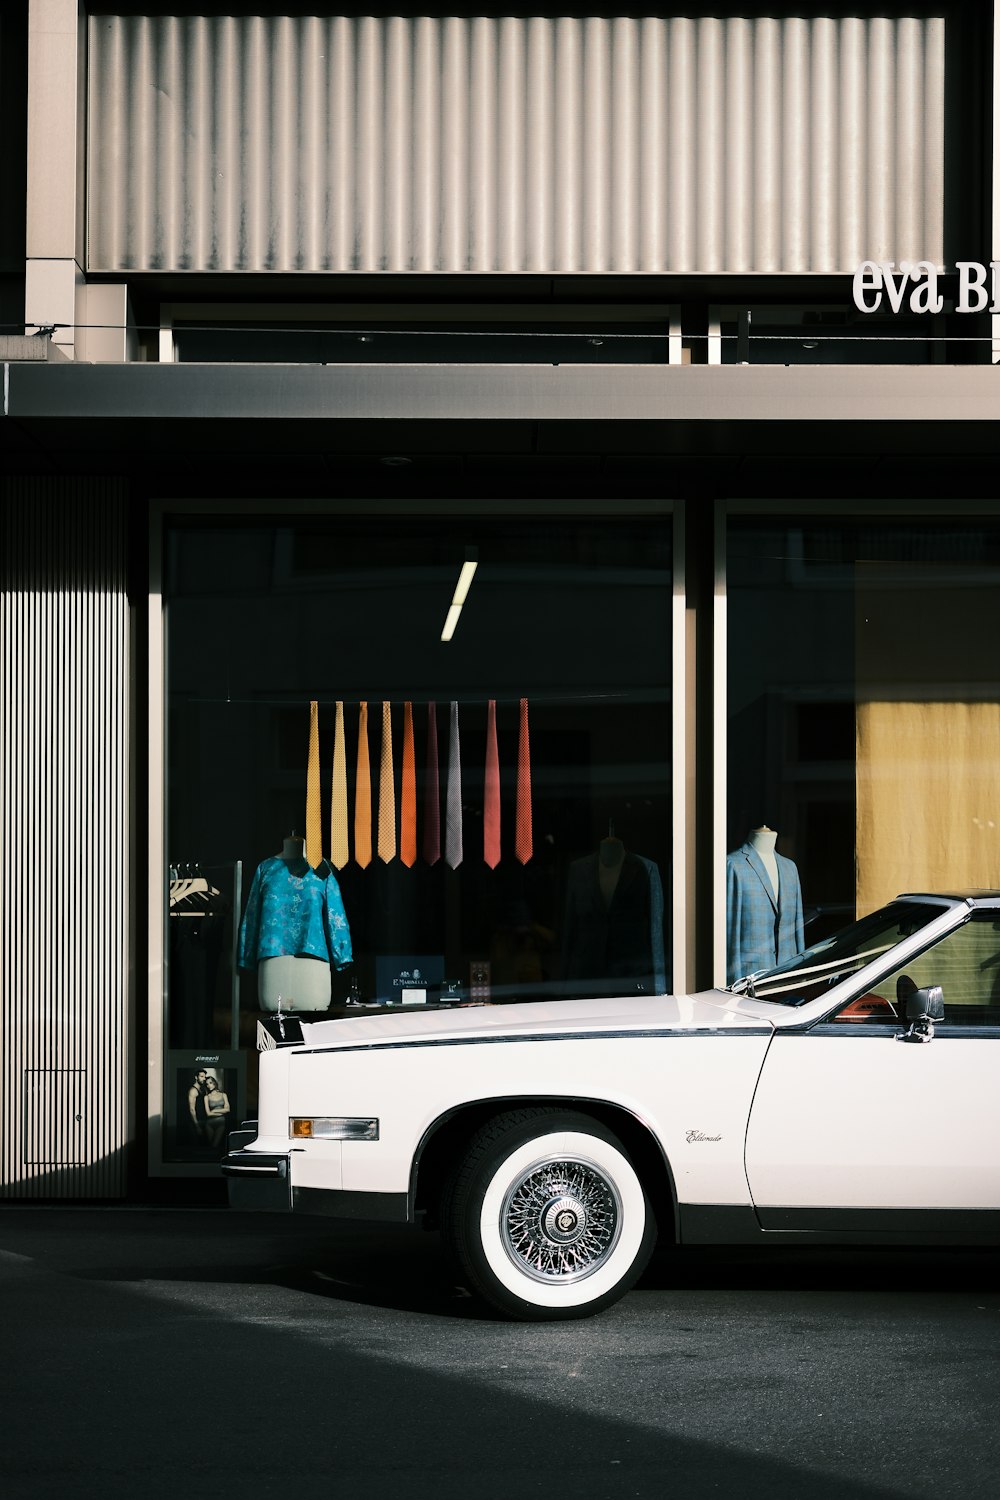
[847, 1096]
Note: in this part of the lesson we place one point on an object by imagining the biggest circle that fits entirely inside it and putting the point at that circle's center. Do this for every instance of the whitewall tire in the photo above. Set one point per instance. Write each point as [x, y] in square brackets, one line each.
[547, 1216]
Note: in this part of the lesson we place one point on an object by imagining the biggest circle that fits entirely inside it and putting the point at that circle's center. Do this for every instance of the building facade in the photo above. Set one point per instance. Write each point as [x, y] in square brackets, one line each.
[468, 444]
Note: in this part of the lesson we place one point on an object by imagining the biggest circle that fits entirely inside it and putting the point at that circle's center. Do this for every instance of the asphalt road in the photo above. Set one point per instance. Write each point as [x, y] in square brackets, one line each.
[204, 1355]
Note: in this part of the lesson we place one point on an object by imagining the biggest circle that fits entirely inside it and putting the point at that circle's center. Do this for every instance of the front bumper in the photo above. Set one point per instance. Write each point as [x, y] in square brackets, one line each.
[258, 1180]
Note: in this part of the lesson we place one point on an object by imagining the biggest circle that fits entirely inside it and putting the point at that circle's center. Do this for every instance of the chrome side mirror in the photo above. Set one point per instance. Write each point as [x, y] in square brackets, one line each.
[923, 1008]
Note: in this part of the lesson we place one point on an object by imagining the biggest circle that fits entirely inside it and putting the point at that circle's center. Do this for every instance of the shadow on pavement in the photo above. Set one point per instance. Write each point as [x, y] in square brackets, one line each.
[212, 1355]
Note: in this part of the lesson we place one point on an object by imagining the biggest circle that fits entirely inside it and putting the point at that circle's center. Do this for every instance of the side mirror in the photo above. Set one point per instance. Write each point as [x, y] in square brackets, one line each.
[923, 1008]
[926, 1005]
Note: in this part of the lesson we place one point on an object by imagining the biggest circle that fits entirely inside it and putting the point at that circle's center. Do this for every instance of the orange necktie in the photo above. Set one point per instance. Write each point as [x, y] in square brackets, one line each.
[491, 800]
[386, 791]
[314, 817]
[363, 795]
[408, 793]
[522, 823]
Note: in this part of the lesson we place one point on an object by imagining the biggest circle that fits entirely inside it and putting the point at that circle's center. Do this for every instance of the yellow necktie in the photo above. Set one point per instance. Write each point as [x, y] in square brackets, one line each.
[386, 791]
[339, 851]
[363, 795]
[314, 821]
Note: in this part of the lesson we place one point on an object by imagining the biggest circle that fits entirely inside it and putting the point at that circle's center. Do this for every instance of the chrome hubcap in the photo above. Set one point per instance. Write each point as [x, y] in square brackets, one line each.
[560, 1220]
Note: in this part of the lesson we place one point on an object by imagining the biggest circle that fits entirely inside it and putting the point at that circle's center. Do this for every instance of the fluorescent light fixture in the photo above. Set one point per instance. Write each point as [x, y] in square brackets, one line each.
[462, 588]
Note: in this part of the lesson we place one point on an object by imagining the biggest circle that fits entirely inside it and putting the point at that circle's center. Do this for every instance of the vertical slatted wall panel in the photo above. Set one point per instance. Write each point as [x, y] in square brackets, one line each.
[63, 839]
[547, 144]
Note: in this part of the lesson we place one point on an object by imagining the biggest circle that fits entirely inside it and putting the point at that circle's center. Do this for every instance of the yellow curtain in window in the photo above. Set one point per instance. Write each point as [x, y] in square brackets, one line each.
[928, 789]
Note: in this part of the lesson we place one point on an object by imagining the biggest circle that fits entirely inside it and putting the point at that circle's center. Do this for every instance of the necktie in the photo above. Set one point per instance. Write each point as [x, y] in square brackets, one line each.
[386, 791]
[491, 796]
[339, 851]
[314, 819]
[408, 793]
[522, 822]
[453, 797]
[432, 792]
[363, 795]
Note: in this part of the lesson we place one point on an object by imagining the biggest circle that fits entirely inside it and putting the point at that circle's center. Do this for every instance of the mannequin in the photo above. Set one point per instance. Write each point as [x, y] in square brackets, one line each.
[763, 840]
[764, 920]
[613, 920]
[299, 983]
[611, 857]
[293, 929]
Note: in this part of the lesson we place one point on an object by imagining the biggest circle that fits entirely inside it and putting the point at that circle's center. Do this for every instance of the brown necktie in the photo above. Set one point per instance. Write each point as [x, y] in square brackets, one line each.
[522, 824]
[339, 850]
[491, 799]
[386, 791]
[408, 793]
[314, 817]
[363, 795]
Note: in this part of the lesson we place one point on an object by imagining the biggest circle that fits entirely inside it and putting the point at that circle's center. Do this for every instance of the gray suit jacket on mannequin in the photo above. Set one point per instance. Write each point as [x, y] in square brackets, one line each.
[761, 931]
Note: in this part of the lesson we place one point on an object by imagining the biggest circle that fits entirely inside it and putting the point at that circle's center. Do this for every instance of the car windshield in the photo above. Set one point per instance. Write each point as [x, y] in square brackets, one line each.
[811, 973]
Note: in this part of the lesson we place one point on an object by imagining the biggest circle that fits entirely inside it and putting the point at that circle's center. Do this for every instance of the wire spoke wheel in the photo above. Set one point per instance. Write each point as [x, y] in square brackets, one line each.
[547, 1216]
[561, 1221]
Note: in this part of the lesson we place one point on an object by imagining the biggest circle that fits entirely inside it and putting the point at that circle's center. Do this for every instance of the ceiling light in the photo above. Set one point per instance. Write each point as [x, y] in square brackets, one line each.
[460, 595]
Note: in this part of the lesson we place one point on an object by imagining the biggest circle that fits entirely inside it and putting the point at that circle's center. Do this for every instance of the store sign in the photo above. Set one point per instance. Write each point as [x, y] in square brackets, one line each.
[882, 286]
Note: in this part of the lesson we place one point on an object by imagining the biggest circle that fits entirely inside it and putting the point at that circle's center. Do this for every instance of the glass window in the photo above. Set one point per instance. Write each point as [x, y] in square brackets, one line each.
[864, 715]
[810, 974]
[966, 964]
[557, 677]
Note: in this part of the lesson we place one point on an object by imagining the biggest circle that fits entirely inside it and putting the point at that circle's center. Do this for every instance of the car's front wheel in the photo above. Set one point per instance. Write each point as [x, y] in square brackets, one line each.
[547, 1217]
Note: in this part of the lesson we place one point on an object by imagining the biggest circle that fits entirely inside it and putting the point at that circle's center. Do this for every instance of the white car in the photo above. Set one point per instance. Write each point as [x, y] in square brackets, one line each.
[848, 1096]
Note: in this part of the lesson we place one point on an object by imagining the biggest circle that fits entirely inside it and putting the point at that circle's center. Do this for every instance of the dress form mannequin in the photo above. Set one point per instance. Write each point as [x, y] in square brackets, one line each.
[763, 840]
[299, 983]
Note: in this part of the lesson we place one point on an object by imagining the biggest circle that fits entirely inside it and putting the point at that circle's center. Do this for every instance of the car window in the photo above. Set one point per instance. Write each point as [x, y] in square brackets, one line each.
[811, 973]
[965, 963]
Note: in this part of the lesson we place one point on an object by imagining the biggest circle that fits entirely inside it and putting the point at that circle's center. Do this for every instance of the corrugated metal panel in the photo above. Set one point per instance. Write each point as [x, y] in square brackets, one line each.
[63, 840]
[515, 144]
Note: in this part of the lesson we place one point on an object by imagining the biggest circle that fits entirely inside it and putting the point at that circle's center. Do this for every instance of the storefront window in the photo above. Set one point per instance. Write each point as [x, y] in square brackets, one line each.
[517, 805]
[864, 723]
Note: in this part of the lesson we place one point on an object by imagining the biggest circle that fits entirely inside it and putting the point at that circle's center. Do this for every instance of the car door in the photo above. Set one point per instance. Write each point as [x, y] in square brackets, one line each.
[852, 1129]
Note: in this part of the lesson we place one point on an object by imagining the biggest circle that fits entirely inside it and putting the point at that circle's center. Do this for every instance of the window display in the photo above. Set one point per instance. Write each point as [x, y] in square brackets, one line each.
[864, 709]
[476, 791]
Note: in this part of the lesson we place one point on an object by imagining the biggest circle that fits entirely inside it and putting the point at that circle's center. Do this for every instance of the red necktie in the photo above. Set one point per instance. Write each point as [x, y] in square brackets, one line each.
[491, 800]
[522, 826]
[432, 792]
[408, 793]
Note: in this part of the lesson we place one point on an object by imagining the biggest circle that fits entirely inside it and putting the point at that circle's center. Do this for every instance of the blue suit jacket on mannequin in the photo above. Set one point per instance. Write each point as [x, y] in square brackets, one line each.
[760, 930]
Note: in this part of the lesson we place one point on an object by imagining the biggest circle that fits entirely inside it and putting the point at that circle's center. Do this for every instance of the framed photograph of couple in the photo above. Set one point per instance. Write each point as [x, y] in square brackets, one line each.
[205, 1099]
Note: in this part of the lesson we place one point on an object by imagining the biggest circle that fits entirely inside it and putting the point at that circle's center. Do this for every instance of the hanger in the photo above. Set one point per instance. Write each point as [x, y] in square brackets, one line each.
[191, 894]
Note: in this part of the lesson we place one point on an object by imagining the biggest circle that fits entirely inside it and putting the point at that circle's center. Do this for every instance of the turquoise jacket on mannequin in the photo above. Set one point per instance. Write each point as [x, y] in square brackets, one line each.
[294, 911]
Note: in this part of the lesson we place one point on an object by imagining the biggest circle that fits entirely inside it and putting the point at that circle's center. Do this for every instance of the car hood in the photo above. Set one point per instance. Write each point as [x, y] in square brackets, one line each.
[711, 1011]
